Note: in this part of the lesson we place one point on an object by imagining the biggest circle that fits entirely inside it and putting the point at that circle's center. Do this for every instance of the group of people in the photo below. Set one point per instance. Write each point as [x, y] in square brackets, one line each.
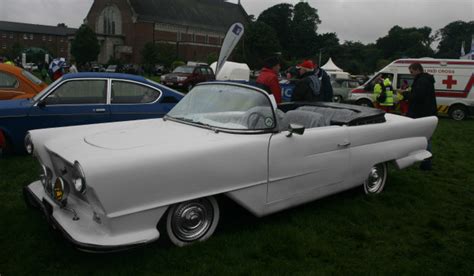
[416, 101]
[384, 95]
[313, 83]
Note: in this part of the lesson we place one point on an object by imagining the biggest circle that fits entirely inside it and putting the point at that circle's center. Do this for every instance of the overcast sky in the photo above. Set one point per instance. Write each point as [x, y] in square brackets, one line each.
[356, 20]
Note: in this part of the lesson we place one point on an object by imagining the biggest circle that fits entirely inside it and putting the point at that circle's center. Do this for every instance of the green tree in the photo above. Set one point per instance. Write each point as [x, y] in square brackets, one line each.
[15, 51]
[150, 56]
[280, 17]
[212, 57]
[166, 53]
[327, 45]
[406, 42]
[259, 42]
[303, 28]
[451, 38]
[85, 46]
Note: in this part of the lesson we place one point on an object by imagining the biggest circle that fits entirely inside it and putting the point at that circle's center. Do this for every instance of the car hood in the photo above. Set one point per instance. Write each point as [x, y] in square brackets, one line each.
[130, 138]
[14, 108]
[145, 134]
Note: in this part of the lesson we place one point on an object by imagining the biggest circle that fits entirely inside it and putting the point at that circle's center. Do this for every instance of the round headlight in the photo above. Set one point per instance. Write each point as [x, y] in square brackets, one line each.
[29, 144]
[58, 189]
[79, 185]
[79, 178]
[45, 176]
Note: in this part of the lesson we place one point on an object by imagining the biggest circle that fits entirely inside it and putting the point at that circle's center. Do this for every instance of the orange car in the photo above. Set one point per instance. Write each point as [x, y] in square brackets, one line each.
[17, 83]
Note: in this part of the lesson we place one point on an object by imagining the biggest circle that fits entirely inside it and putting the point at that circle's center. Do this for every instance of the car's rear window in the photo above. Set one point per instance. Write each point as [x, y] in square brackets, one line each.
[184, 69]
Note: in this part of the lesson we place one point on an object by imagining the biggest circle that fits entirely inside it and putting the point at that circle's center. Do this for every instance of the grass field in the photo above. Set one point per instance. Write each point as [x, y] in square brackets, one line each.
[423, 223]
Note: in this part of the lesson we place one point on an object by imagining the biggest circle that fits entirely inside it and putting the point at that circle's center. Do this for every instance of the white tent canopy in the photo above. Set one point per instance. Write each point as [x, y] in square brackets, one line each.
[331, 66]
[335, 72]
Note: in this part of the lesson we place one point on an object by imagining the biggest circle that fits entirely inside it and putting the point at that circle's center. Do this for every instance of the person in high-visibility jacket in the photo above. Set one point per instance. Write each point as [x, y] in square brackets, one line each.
[402, 97]
[383, 94]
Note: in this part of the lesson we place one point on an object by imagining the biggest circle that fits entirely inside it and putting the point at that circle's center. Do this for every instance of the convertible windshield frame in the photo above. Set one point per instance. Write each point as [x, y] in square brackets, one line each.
[45, 91]
[216, 129]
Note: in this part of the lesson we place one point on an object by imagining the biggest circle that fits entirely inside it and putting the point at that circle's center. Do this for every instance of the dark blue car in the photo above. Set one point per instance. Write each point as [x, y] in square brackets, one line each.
[84, 98]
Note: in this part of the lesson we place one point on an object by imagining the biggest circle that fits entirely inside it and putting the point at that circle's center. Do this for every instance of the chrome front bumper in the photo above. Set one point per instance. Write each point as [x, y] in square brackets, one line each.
[81, 229]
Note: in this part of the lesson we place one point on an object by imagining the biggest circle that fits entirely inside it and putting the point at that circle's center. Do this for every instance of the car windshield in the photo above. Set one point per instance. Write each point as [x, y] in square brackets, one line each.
[45, 90]
[226, 106]
[184, 69]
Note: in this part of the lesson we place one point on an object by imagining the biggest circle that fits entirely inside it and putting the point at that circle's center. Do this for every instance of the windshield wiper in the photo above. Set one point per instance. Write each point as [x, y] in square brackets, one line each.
[182, 119]
[189, 120]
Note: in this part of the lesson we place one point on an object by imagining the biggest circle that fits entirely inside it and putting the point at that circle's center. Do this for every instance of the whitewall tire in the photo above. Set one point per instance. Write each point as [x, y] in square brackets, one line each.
[376, 179]
[192, 221]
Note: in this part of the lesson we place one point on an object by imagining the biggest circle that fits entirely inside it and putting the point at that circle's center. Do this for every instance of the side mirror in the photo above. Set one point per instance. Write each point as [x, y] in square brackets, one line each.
[294, 128]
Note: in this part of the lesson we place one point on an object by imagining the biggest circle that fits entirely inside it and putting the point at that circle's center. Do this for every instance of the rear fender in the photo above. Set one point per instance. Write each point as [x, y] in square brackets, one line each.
[413, 157]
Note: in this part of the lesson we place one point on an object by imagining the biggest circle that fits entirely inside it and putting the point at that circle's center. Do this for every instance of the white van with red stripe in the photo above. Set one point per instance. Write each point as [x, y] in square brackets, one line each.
[454, 84]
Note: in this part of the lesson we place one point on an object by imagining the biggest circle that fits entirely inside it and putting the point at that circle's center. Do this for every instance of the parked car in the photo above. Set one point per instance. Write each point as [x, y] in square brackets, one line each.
[95, 67]
[84, 98]
[114, 186]
[18, 83]
[187, 76]
[113, 69]
[131, 69]
[342, 88]
[159, 70]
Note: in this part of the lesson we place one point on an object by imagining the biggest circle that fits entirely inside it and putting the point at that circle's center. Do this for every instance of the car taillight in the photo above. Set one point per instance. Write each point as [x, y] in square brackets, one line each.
[3, 141]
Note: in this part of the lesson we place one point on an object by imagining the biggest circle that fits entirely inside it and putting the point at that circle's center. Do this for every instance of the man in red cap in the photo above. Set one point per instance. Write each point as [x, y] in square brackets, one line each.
[268, 78]
[308, 87]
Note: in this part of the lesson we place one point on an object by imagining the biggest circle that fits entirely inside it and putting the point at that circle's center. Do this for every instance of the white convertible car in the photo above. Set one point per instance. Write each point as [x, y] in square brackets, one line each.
[118, 185]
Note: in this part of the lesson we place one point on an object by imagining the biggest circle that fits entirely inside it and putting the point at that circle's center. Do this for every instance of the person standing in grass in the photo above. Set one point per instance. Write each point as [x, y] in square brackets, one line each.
[422, 101]
[268, 78]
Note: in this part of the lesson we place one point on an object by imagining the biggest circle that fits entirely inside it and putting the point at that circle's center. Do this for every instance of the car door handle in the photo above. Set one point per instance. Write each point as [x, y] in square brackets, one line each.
[344, 144]
[99, 110]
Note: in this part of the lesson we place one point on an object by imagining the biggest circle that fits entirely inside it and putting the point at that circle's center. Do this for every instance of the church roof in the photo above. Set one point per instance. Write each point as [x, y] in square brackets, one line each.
[208, 14]
[36, 29]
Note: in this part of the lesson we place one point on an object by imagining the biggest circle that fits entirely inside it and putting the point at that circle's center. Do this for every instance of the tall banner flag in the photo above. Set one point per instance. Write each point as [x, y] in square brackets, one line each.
[231, 39]
[462, 49]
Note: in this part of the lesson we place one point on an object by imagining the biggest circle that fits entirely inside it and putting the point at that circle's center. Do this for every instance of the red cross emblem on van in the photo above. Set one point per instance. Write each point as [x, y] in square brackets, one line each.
[450, 82]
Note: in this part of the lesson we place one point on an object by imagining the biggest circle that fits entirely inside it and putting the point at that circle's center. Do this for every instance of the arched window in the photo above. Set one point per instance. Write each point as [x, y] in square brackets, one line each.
[109, 21]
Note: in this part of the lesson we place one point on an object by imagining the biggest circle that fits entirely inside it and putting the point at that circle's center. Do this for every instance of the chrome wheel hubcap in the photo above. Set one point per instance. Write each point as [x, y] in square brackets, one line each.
[376, 177]
[191, 220]
[458, 114]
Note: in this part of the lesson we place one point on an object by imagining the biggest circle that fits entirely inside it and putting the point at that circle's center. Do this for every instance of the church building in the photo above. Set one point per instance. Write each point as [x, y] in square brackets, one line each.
[195, 28]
